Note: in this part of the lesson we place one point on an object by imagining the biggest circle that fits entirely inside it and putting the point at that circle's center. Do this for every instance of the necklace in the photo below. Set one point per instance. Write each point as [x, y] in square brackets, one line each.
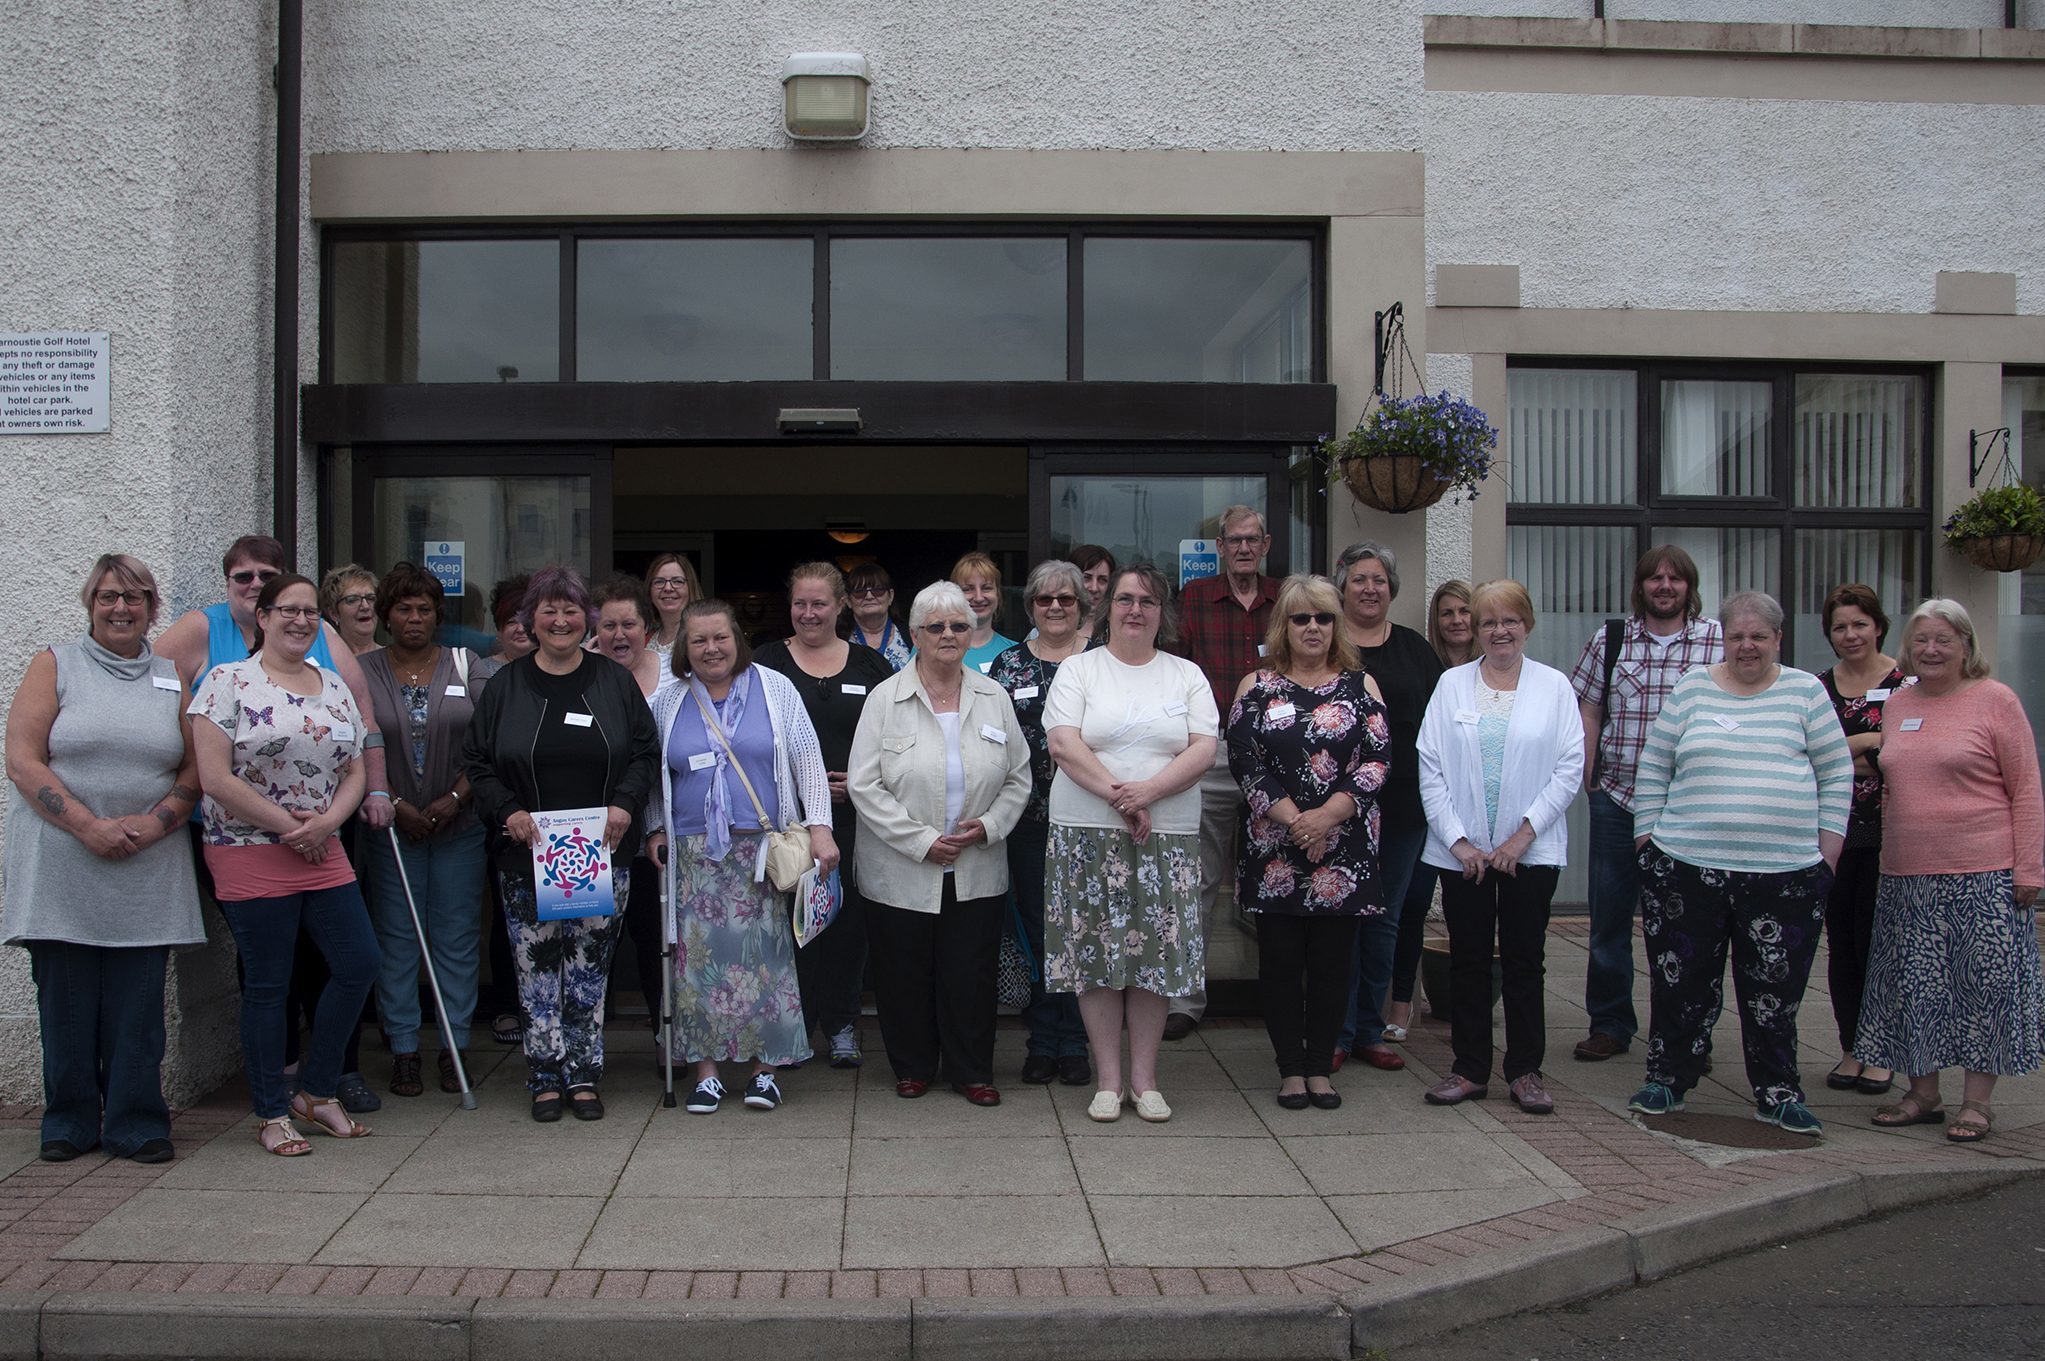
[413, 674]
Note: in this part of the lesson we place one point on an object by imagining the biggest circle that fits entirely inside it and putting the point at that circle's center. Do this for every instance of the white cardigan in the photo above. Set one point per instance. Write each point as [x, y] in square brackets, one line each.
[798, 761]
[1542, 771]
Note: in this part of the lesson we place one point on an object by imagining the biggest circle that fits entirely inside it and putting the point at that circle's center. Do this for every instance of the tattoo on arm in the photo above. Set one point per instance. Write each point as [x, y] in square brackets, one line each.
[184, 792]
[51, 800]
[165, 816]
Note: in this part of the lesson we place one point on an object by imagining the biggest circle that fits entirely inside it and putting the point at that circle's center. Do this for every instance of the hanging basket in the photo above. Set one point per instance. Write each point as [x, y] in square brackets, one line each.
[1395, 483]
[2003, 552]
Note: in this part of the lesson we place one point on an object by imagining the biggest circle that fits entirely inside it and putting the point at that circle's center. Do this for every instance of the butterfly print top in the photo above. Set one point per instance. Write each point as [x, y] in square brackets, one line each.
[293, 749]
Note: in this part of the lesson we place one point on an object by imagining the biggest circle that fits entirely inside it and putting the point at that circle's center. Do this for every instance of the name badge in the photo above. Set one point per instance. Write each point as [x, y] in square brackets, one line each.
[1028, 692]
[853, 689]
[1174, 710]
[1466, 715]
[1278, 713]
[998, 736]
[1878, 694]
[1724, 722]
[986, 666]
[456, 692]
[577, 720]
[703, 760]
[343, 732]
[165, 682]
[1912, 724]
[1263, 650]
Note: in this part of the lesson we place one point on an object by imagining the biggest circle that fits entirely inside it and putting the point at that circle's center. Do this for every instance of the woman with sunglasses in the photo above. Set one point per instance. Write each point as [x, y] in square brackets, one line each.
[672, 585]
[1307, 741]
[872, 593]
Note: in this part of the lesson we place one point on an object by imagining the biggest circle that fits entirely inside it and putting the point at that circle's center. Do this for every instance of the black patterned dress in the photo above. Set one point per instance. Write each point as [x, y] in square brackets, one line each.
[1286, 741]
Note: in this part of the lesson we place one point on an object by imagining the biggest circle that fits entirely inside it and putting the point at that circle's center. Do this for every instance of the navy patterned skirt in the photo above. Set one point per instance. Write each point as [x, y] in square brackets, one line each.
[1953, 978]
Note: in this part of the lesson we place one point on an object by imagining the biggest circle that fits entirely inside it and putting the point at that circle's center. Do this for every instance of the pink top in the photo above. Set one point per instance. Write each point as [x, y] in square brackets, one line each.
[1960, 775]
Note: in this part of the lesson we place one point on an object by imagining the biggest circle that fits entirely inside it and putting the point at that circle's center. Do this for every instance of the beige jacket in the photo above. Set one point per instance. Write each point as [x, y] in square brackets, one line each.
[896, 782]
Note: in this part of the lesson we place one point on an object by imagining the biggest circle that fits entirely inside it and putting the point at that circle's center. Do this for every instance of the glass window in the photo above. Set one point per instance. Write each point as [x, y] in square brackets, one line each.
[507, 525]
[1185, 310]
[1858, 440]
[1728, 560]
[2019, 659]
[446, 311]
[948, 309]
[1140, 518]
[1715, 437]
[704, 310]
[1890, 560]
[1574, 436]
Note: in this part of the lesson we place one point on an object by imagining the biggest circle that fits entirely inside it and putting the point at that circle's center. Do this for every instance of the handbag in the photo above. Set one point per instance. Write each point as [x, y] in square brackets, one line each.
[788, 853]
[1015, 973]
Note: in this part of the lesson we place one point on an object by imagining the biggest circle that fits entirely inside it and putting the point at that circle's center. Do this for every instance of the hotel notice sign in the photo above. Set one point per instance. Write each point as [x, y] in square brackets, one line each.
[54, 382]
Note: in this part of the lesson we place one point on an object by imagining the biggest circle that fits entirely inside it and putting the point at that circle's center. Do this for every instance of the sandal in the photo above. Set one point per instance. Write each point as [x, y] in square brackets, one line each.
[405, 1075]
[291, 1144]
[1910, 1110]
[308, 1108]
[507, 1029]
[1965, 1131]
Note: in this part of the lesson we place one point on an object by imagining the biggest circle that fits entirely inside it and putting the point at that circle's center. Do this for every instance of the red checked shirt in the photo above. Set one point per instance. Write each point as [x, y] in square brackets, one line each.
[1645, 673]
[1221, 637]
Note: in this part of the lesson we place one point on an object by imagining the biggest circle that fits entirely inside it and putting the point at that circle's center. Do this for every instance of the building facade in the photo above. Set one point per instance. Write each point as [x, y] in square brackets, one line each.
[563, 284]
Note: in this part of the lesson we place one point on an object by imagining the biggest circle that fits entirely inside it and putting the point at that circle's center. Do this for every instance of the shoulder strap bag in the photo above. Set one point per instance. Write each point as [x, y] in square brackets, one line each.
[788, 853]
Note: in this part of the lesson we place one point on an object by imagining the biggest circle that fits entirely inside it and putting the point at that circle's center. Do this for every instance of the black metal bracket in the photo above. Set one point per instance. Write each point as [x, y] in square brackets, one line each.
[1389, 329]
[1981, 448]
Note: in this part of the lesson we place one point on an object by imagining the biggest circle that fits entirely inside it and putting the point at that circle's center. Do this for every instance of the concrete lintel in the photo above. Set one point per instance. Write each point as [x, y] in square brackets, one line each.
[1669, 1240]
[1773, 39]
[1984, 293]
[1186, 1328]
[105, 1324]
[1476, 30]
[1569, 1266]
[1476, 285]
[1885, 337]
[1682, 35]
[2013, 44]
[1873, 40]
[733, 1330]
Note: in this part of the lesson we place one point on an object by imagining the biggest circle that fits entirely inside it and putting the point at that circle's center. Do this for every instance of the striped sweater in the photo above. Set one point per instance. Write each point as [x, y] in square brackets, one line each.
[1744, 782]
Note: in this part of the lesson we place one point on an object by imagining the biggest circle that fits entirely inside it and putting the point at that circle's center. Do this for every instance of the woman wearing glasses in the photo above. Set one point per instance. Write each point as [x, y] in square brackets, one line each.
[1132, 729]
[939, 776]
[872, 593]
[1307, 740]
[671, 584]
[1061, 610]
[348, 602]
[280, 762]
[99, 880]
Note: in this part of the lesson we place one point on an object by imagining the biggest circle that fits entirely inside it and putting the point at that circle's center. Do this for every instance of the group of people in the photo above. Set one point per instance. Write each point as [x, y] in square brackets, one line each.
[1083, 792]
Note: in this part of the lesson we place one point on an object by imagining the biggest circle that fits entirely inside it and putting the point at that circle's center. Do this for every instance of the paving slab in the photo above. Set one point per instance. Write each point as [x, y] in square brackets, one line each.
[394, 1228]
[670, 1233]
[241, 1164]
[771, 1167]
[1039, 1165]
[997, 1231]
[542, 1162]
[1194, 1164]
[19, 1148]
[1196, 1111]
[1207, 1230]
[216, 1226]
[1361, 1164]
[1378, 1221]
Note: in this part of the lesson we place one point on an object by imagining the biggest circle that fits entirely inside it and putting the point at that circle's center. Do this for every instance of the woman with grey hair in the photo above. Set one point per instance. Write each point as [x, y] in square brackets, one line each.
[1739, 816]
[1132, 730]
[348, 602]
[1062, 611]
[1954, 979]
[939, 776]
[1405, 666]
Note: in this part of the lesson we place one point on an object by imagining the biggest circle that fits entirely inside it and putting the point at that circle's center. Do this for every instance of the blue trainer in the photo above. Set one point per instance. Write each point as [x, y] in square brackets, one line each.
[1793, 1116]
[1655, 1099]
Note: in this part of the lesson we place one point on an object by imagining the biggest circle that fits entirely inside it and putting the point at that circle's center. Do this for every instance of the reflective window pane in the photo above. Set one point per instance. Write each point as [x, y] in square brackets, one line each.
[446, 311]
[952, 309]
[693, 310]
[1191, 311]
[1140, 518]
[507, 525]
[1715, 438]
[1574, 436]
[2019, 659]
[1728, 560]
[1858, 440]
[1890, 560]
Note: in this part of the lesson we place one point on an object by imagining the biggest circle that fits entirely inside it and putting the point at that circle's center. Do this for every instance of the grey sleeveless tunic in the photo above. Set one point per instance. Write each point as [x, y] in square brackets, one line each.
[117, 745]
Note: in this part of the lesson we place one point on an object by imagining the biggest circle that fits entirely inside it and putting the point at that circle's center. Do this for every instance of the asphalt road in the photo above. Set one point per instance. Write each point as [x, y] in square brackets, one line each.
[1962, 1280]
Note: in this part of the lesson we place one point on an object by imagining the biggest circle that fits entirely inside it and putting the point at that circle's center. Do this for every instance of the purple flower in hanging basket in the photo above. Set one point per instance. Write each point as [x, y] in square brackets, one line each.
[1451, 438]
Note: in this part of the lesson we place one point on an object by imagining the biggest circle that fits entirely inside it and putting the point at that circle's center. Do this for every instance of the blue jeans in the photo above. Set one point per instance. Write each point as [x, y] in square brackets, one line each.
[102, 1015]
[1614, 893]
[446, 873]
[1056, 1031]
[266, 934]
[1377, 938]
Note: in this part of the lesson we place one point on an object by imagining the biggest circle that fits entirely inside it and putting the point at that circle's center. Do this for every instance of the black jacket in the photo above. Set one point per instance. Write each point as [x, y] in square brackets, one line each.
[497, 754]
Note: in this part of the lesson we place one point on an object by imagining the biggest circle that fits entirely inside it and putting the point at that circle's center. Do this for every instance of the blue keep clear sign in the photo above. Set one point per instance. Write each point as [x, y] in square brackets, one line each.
[444, 558]
[1198, 558]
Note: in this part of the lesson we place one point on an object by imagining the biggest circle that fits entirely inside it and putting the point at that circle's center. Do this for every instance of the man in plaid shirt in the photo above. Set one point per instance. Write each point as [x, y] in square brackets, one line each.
[1663, 639]
[1222, 622]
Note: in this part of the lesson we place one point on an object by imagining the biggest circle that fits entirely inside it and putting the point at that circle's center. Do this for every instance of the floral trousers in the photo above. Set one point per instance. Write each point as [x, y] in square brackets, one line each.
[1693, 917]
[563, 967]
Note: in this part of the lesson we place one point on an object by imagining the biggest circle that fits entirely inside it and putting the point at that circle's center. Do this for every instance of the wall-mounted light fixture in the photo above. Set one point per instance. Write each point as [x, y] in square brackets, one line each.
[819, 420]
[823, 96]
[846, 531]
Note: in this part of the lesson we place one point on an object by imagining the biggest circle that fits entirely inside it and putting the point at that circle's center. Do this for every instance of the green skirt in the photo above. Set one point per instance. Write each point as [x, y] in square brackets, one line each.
[1120, 915]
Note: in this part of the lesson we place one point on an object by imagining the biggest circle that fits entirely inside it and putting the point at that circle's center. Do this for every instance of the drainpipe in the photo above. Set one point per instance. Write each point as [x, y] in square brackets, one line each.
[284, 342]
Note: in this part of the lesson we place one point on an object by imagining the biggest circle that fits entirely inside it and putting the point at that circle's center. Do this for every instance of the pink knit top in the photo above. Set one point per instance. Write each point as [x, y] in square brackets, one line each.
[1960, 782]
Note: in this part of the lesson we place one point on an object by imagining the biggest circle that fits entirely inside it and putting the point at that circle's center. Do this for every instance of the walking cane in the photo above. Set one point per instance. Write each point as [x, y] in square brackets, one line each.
[667, 984]
[461, 1071]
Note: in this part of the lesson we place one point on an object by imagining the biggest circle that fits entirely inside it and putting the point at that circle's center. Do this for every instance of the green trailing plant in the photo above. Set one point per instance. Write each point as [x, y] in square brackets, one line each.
[2013, 509]
[1452, 439]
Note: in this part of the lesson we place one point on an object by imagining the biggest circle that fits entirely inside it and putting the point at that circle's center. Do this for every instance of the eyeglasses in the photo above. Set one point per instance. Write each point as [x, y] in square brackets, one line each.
[1303, 618]
[670, 583]
[939, 630]
[1063, 602]
[1135, 602]
[1243, 540]
[349, 602]
[251, 574]
[132, 599]
[296, 611]
[871, 592]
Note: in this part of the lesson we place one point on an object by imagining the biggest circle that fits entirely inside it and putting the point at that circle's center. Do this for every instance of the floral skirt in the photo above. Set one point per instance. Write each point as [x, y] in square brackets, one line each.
[1953, 978]
[736, 996]
[1120, 915]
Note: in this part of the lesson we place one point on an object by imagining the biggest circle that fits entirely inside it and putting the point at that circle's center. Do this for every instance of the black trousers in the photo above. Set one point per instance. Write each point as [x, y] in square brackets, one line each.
[642, 926]
[1511, 910]
[933, 982]
[1850, 922]
[1303, 970]
[831, 970]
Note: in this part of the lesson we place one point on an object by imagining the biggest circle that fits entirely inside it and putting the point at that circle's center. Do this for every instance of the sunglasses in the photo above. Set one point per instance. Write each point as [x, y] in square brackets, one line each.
[249, 574]
[939, 630]
[871, 592]
[1063, 602]
[1323, 618]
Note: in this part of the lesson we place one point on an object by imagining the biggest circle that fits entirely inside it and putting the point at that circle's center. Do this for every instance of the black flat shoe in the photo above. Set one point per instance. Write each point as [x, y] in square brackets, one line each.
[585, 1103]
[1292, 1101]
[1039, 1069]
[1842, 1082]
[60, 1151]
[546, 1107]
[1325, 1101]
[153, 1151]
[1871, 1086]
[1075, 1071]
